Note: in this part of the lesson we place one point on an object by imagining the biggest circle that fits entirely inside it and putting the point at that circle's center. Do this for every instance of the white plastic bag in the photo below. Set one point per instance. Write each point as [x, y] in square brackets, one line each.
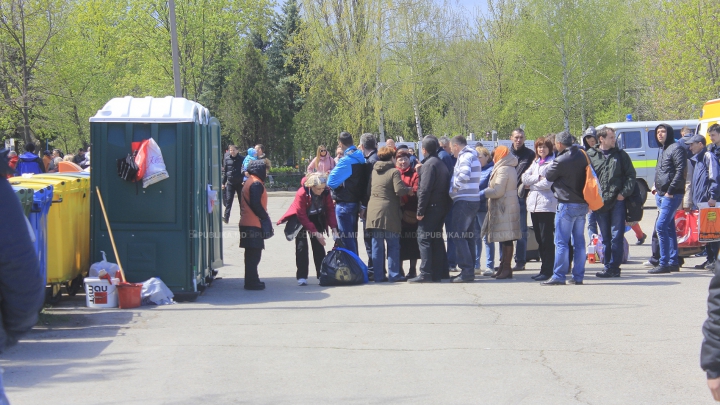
[110, 268]
[156, 170]
[154, 291]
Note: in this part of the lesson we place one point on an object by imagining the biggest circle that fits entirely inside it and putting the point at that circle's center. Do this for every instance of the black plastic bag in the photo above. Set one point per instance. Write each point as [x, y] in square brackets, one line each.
[634, 206]
[127, 168]
[342, 267]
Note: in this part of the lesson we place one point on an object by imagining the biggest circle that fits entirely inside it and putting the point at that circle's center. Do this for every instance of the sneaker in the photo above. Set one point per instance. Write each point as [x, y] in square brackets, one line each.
[648, 263]
[518, 267]
[608, 273]
[702, 266]
[487, 273]
[710, 266]
[641, 240]
[572, 281]
[660, 270]
[302, 281]
[226, 220]
[479, 271]
[453, 269]
[460, 279]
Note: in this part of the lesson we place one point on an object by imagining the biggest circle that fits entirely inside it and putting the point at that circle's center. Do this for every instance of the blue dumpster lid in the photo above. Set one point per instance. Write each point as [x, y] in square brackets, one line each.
[150, 109]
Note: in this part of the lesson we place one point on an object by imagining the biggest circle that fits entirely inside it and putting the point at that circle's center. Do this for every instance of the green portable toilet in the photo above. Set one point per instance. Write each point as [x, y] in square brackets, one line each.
[163, 230]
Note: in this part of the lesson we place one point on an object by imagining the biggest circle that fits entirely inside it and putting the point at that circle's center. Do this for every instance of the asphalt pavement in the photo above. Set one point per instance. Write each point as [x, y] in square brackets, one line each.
[629, 340]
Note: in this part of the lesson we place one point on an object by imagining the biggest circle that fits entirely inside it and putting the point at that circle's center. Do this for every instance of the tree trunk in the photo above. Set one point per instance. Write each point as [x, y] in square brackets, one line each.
[565, 88]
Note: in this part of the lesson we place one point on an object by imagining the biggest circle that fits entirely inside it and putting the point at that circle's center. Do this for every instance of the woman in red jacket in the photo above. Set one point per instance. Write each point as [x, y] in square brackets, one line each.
[315, 211]
[409, 249]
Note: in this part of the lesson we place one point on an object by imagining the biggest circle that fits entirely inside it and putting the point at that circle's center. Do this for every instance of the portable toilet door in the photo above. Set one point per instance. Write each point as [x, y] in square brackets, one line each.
[200, 267]
[215, 182]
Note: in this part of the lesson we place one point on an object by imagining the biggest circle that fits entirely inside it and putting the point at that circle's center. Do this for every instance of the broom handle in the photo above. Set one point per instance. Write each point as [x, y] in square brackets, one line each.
[112, 240]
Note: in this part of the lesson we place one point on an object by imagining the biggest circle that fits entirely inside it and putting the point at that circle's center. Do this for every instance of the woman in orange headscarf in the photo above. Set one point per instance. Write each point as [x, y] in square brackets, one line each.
[502, 223]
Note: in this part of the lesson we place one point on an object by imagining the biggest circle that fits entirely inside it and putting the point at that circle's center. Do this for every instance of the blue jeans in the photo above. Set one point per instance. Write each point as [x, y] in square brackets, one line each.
[479, 242]
[570, 228]
[379, 237]
[665, 227]
[463, 225]
[521, 248]
[612, 229]
[449, 231]
[347, 219]
[592, 224]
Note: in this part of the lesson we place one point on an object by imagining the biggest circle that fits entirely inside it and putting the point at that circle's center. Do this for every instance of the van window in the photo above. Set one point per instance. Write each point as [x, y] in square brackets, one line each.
[652, 141]
[630, 140]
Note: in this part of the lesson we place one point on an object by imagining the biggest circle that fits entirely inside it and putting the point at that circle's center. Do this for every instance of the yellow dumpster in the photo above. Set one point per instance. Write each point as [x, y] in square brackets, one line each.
[81, 206]
[64, 263]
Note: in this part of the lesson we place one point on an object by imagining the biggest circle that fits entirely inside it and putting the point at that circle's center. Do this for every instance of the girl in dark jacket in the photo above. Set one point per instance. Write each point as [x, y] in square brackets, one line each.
[253, 215]
[409, 249]
[315, 211]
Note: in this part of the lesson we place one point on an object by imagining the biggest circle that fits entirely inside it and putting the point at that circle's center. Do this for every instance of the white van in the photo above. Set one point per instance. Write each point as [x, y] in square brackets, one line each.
[638, 140]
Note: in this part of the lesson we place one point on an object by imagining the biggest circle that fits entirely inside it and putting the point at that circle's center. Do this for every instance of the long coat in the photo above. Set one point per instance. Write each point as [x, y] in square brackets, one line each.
[386, 188]
[503, 220]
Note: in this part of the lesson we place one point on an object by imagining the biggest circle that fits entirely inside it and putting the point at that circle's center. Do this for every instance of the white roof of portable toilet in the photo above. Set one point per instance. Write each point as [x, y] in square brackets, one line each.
[150, 109]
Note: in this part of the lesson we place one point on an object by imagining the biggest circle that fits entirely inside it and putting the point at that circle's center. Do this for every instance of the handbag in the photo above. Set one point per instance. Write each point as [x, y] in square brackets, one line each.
[522, 191]
[267, 228]
[591, 191]
[708, 223]
[409, 217]
[292, 227]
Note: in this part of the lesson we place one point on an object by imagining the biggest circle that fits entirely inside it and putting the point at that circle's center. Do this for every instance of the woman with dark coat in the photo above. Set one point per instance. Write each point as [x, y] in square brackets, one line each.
[253, 214]
[409, 249]
[384, 215]
[315, 211]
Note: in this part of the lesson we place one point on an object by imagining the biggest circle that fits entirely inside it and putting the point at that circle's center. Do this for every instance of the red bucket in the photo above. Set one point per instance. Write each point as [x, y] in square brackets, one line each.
[129, 295]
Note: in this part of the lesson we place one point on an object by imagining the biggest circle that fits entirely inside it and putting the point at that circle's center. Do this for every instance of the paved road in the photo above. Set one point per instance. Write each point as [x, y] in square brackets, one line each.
[633, 340]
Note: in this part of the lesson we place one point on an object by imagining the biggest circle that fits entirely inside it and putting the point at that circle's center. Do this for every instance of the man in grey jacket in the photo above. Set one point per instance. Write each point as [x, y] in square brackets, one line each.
[465, 192]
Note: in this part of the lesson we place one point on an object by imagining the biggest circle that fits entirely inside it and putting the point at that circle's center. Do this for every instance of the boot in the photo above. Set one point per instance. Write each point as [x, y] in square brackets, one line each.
[505, 266]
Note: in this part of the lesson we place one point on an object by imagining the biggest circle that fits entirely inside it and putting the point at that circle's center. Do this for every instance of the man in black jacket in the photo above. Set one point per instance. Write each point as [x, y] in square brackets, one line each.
[433, 204]
[525, 158]
[567, 172]
[232, 179]
[670, 190]
[22, 285]
[368, 146]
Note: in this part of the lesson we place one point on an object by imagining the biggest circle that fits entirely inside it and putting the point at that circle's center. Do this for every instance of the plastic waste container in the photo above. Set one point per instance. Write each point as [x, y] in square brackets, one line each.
[62, 264]
[24, 194]
[42, 197]
[80, 205]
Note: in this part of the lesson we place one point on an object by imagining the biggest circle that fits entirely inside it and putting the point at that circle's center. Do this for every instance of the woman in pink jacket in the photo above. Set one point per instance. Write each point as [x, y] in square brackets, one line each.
[323, 162]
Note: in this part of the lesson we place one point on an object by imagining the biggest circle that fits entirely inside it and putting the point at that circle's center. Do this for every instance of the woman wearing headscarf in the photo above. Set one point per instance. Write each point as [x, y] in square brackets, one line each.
[501, 224]
[542, 204]
[253, 214]
[315, 211]
[409, 249]
[322, 163]
[486, 168]
[384, 215]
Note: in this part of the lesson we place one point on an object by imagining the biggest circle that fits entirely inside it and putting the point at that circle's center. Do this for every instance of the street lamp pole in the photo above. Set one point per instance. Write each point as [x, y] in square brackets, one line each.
[175, 50]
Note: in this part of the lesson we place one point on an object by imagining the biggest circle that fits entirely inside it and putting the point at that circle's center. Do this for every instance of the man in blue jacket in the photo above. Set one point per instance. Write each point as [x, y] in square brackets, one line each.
[22, 287]
[704, 187]
[29, 162]
[348, 182]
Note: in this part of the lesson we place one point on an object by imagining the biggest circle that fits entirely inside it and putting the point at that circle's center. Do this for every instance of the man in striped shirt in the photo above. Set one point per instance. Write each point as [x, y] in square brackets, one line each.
[465, 193]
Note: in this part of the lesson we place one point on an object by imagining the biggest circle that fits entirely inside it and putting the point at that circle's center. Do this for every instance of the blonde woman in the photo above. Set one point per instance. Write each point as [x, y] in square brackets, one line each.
[322, 163]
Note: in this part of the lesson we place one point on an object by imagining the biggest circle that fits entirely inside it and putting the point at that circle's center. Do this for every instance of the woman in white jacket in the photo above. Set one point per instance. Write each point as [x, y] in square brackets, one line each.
[542, 204]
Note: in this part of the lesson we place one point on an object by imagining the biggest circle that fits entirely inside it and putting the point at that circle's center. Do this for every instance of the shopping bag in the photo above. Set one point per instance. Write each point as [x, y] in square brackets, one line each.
[709, 223]
[686, 228]
[342, 267]
[110, 268]
[600, 250]
[154, 169]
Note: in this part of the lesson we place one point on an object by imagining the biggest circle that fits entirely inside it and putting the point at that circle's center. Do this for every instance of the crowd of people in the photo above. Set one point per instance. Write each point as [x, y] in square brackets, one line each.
[476, 199]
[29, 162]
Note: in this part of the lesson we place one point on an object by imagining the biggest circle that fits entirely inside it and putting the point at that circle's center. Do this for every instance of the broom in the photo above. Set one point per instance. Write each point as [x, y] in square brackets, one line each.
[112, 240]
